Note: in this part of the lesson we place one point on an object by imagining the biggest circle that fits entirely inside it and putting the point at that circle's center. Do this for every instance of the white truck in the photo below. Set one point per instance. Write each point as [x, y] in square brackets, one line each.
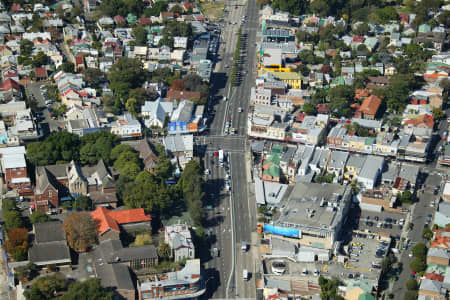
[245, 274]
[221, 156]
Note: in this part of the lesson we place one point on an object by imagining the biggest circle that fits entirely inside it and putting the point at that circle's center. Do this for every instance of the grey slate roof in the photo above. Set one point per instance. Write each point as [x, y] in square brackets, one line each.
[114, 276]
[438, 252]
[50, 253]
[49, 232]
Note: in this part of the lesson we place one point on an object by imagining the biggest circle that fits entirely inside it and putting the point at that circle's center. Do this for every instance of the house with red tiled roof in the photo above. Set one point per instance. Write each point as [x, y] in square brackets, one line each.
[404, 18]
[145, 21]
[360, 94]
[424, 121]
[322, 109]
[188, 5]
[119, 20]
[16, 7]
[41, 73]
[109, 223]
[174, 95]
[9, 87]
[79, 63]
[369, 108]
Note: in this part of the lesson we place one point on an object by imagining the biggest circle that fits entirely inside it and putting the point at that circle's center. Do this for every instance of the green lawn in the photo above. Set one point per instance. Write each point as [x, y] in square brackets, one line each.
[212, 10]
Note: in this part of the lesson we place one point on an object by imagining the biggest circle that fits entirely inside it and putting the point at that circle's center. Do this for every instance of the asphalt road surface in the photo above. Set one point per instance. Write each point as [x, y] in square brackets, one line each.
[232, 218]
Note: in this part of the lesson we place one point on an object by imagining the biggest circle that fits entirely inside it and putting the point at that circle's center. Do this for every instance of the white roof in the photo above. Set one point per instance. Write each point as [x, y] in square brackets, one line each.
[11, 161]
[447, 189]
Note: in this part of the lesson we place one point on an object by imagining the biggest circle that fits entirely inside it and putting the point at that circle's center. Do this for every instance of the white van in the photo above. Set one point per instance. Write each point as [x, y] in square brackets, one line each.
[244, 247]
[245, 274]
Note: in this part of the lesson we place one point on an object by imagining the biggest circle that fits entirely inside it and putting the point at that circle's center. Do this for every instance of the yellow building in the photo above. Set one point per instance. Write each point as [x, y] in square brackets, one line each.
[293, 79]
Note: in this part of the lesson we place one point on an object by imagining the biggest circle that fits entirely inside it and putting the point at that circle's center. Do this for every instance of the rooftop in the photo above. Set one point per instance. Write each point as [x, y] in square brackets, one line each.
[314, 204]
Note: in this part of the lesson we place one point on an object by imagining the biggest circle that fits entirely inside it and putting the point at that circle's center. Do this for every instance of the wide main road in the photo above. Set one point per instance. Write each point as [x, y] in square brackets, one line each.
[228, 222]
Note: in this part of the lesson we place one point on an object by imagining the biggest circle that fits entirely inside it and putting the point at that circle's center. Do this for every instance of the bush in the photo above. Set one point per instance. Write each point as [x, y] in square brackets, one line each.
[420, 251]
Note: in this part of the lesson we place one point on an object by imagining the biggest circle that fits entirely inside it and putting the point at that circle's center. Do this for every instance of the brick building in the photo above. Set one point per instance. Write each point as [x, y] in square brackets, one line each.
[14, 170]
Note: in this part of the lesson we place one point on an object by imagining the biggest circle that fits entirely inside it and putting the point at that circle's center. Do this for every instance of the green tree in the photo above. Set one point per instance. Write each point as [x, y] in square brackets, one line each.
[140, 35]
[67, 67]
[93, 77]
[83, 203]
[427, 233]
[362, 29]
[26, 47]
[132, 106]
[438, 113]
[412, 285]
[164, 168]
[340, 98]
[40, 59]
[39, 216]
[60, 146]
[309, 108]
[191, 184]
[90, 289]
[410, 295]
[119, 149]
[13, 219]
[126, 158]
[45, 287]
[96, 146]
[420, 251]
[295, 7]
[156, 9]
[405, 197]
[163, 251]
[148, 192]
[418, 265]
[125, 75]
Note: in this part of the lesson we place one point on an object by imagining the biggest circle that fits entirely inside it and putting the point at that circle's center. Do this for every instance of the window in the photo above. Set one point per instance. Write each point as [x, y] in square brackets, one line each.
[50, 193]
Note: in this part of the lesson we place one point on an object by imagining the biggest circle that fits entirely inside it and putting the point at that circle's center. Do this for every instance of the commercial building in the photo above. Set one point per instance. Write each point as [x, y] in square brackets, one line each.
[313, 214]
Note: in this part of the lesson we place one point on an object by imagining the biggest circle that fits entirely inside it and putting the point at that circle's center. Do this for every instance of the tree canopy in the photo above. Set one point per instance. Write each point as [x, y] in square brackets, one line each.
[80, 230]
[45, 287]
[89, 289]
[38, 216]
[125, 75]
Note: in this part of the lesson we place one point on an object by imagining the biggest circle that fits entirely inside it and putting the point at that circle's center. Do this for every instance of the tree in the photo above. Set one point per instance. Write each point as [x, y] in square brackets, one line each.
[340, 98]
[405, 197]
[163, 251]
[309, 108]
[438, 113]
[140, 35]
[126, 158]
[26, 272]
[83, 203]
[119, 149]
[39, 59]
[93, 77]
[362, 29]
[427, 233]
[17, 243]
[45, 287]
[60, 146]
[67, 67]
[148, 192]
[132, 106]
[80, 230]
[418, 265]
[412, 285]
[26, 47]
[96, 146]
[164, 168]
[39, 216]
[13, 219]
[125, 75]
[420, 251]
[294, 7]
[89, 289]
[410, 295]
[191, 185]
[156, 9]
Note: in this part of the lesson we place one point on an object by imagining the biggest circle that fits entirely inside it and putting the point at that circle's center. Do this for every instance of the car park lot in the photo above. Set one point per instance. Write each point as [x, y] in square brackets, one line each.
[389, 222]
